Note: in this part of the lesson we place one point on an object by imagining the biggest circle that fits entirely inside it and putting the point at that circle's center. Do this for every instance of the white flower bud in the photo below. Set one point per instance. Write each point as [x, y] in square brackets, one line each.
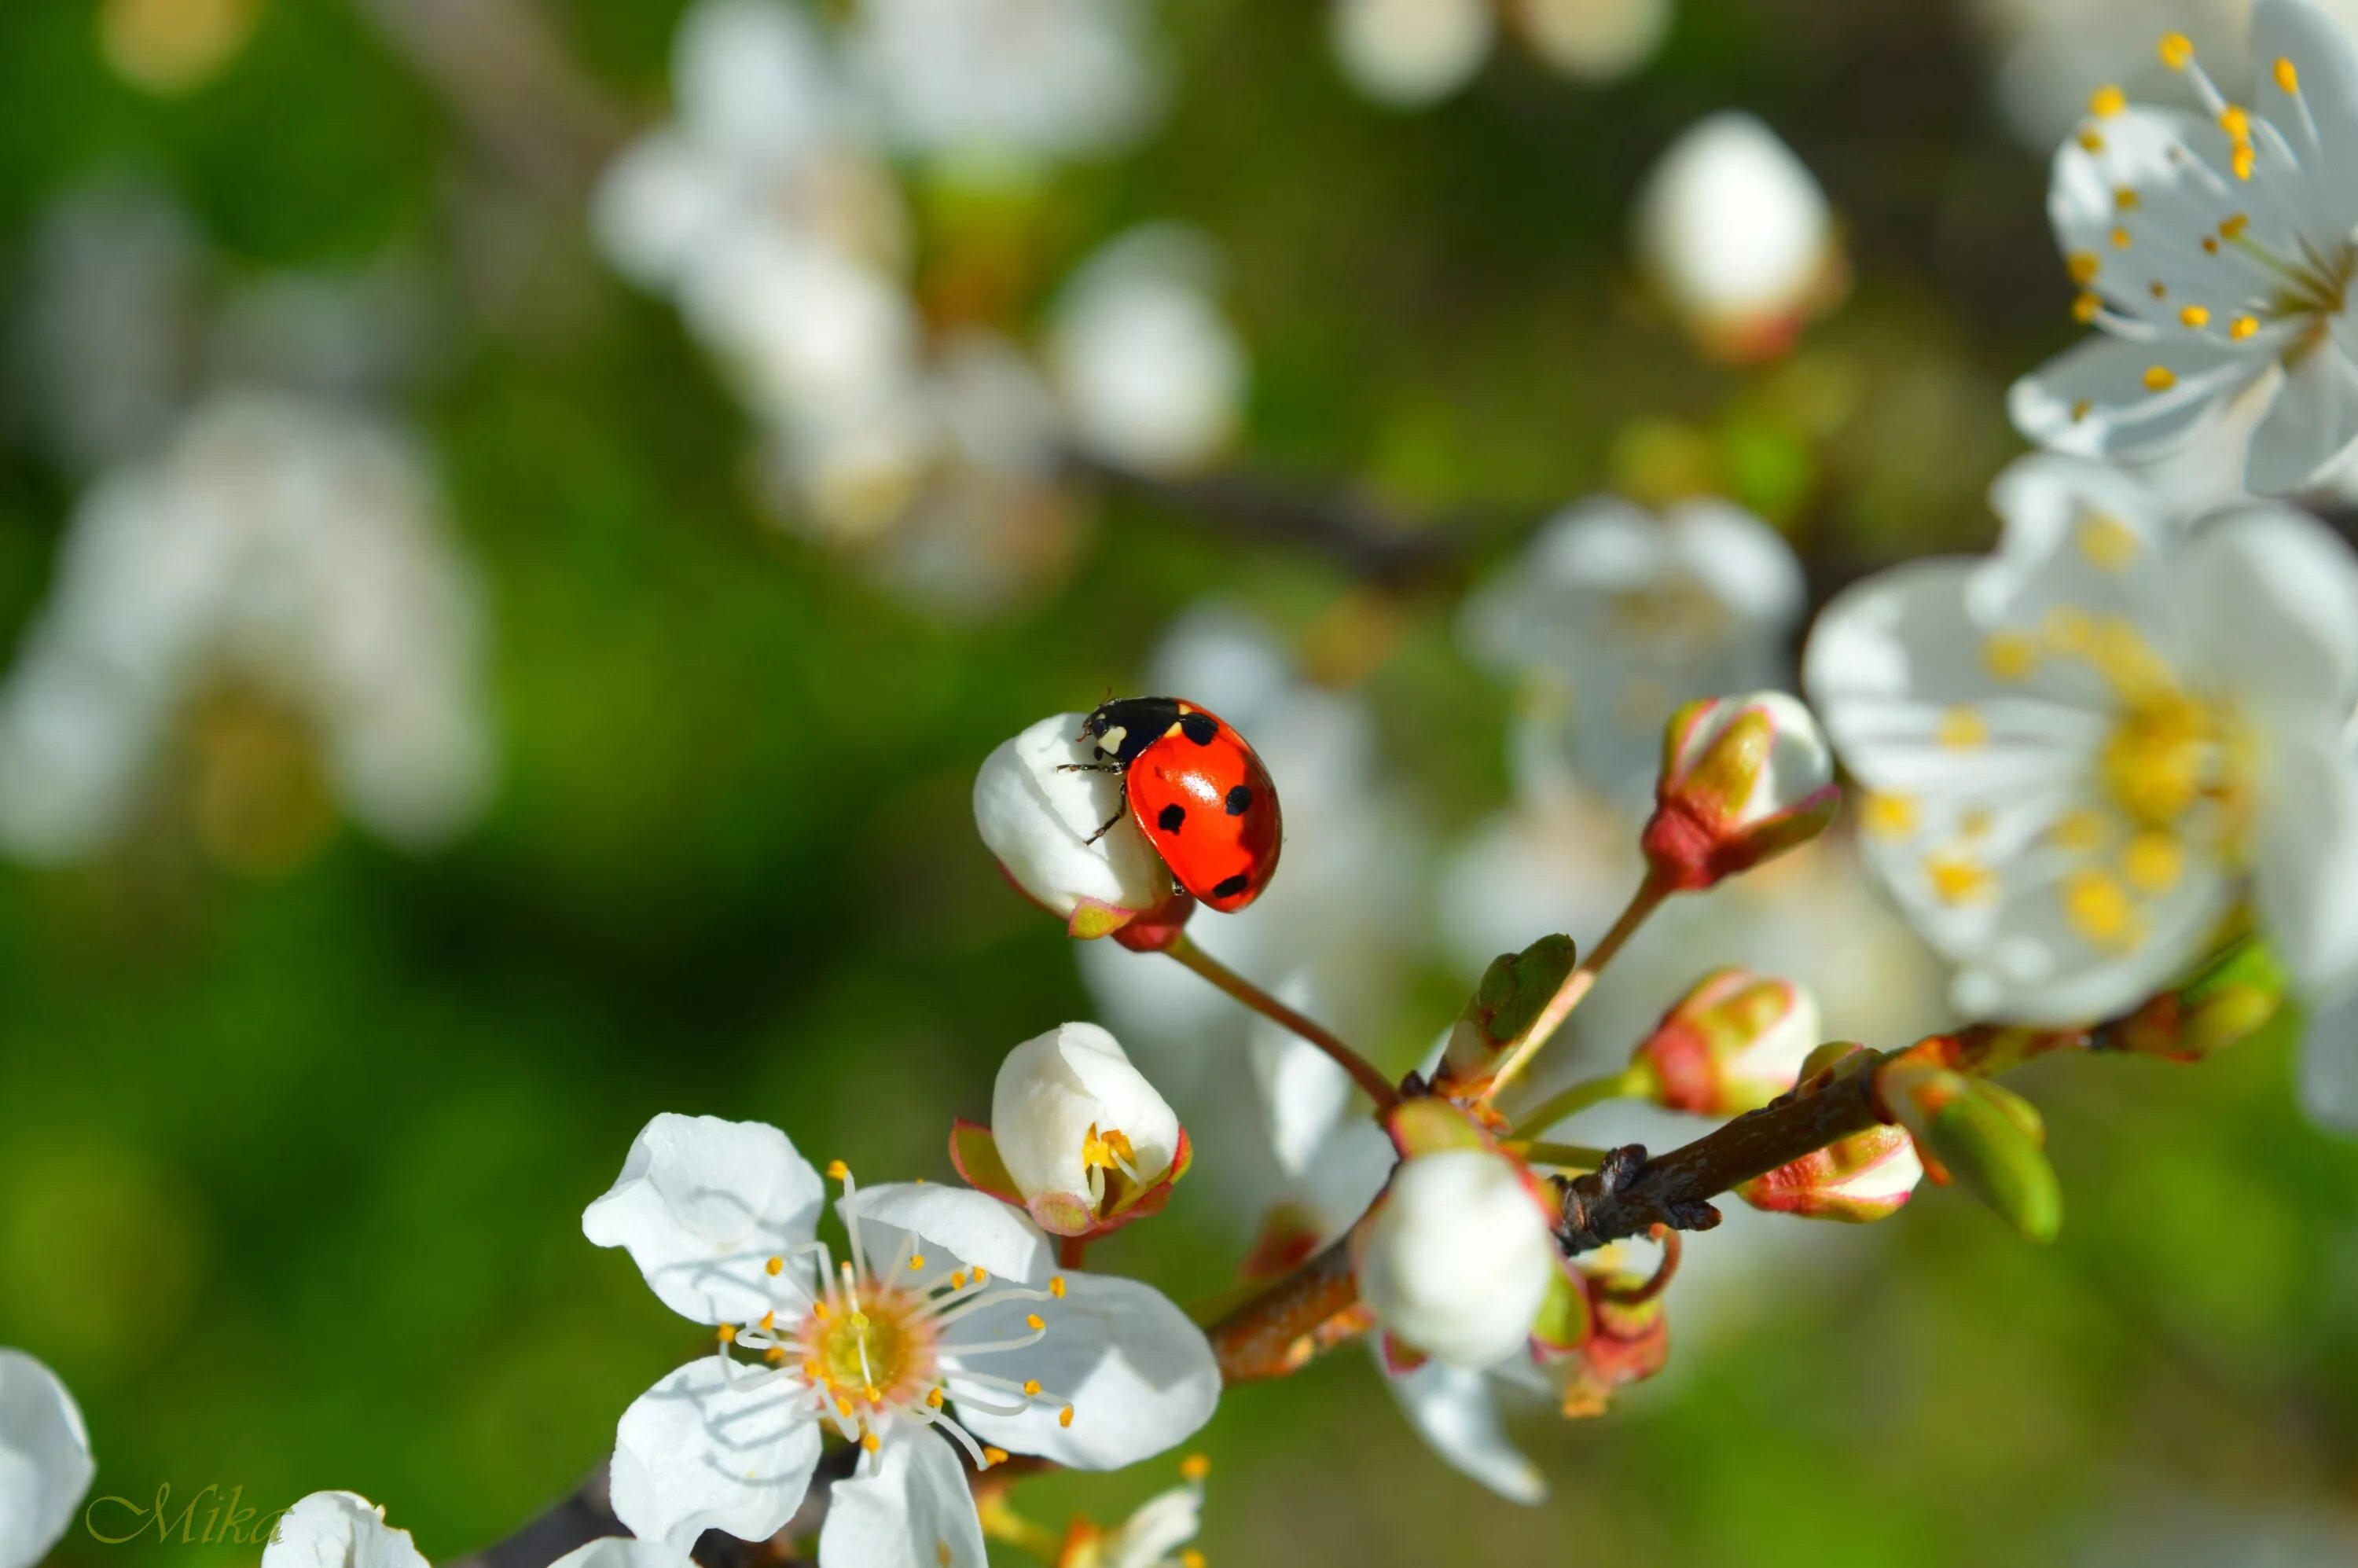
[1457, 1259]
[1734, 232]
[1407, 53]
[1735, 1041]
[1744, 779]
[1037, 819]
[1080, 1131]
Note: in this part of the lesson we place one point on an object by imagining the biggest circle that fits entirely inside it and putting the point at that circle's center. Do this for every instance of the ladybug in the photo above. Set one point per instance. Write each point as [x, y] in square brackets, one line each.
[1195, 788]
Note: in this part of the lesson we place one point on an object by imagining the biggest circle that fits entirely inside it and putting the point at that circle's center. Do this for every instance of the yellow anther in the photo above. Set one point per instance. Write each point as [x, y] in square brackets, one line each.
[821, 1309]
[2243, 327]
[917, 1261]
[1962, 730]
[2236, 121]
[1958, 879]
[2121, 239]
[769, 1320]
[2109, 544]
[843, 1407]
[1191, 1558]
[1889, 815]
[1056, 1286]
[2067, 629]
[2231, 227]
[981, 1273]
[2159, 378]
[993, 1456]
[2287, 78]
[934, 1399]
[958, 1281]
[2177, 50]
[2083, 265]
[1064, 1416]
[1977, 823]
[1034, 1322]
[870, 1441]
[2091, 142]
[2194, 318]
[2126, 199]
[726, 1333]
[2080, 408]
[1195, 1467]
[1031, 1386]
[2082, 832]
[2245, 159]
[2158, 289]
[2153, 862]
[776, 1354]
[776, 1266]
[837, 1170]
[2099, 909]
[2010, 656]
[2106, 101]
[2086, 309]
[875, 1396]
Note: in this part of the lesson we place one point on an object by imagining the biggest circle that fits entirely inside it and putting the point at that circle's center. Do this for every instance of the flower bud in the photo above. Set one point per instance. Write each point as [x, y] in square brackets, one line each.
[1514, 989]
[1078, 1136]
[1866, 1176]
[1734, 235]
[1457, 1257]
[1981, 1134]
[1733, 1043]
[1742, 780]
[1041, 820]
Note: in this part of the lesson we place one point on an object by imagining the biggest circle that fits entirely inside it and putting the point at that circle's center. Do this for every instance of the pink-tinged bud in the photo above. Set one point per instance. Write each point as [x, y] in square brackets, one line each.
[1866, 1176]
[1625, 1334]
[1744, 780]
[1078, 1137]
[1733, 1043]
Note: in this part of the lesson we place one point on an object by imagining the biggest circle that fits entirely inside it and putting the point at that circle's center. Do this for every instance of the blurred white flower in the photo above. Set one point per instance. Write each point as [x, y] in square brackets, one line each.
[1080, 1131]
[1457, 1257]
[1151, 373]
[1409, 53]
[948, 1297]
[339, 1529]
[1040, 810]
[2085, 750]
[45, 1462]
[2214, 253]
[1736, 234]
[1152, 1537]
[1596, 41]
[1617, 617]
[275, 548]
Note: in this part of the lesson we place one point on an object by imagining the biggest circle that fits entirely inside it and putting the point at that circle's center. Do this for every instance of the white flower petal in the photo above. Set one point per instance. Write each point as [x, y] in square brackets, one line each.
[711, 1448]
[1454, 1410]
[1749, 565]
[970, 1226]
[339, 1529]
[1157, 1530]
[2326, 72]
[1038, 818]
[703, 1204]
[1053, 1091]
[1139, 1378]
[2305, 871]
[2042, 966]
[1458, 1259]
[2271, 596]
[2311, 425]
[619, 1551]
[912, 1508]
[2092, 399]
[45, 1461]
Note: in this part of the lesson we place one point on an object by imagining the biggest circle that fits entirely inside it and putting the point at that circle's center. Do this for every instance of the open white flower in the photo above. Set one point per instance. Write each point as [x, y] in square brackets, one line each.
[947, 1297]
[2085, 750]
[285, 550]
[1151, 373]
[2215, 252]
[1405, 54]
[339, 1529]
[1082, 1133]
[1733, 232]
[1618, 616]
[45, 1461]
[1041, 814]
[1457, 1257]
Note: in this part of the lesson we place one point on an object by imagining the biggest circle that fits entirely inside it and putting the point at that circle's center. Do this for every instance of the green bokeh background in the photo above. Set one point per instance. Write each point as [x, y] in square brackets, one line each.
[291, 1167]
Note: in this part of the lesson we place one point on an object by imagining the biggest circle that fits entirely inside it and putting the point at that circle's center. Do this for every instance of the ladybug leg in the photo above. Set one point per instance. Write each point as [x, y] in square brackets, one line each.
[1088, 767]
[1106, 827]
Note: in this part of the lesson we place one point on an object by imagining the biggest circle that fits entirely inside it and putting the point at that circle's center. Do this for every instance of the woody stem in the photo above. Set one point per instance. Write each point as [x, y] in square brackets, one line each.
[1363, 1072]
[1577, 984]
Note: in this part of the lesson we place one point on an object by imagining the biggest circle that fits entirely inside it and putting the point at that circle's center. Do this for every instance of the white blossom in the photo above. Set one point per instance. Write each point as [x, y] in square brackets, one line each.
[2211, 250]
[1734, 232]
[1409, 53]
[1615, 616]
[45, 1460]
[1597, 40]
[946, 1297]
[1457, 1257]
[1150, 374]
[292, 551]
[1078, 1128]
[2083, 752]
[1040, 810]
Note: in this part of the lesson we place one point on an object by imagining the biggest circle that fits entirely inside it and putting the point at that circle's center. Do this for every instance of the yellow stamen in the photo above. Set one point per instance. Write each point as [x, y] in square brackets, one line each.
[837, 1170]
[2126, 199]
[2081, 832]
[2080, 409]
[981, 1273]
[2160, 378]
[1056, 1286]
[1064, 1416]
[2120, 239]
[1889, 815]
[769, 1320]
[2108, 102]
[2245, 159]
[776, 1266]
[870, 1441]
[1958, 879]
[2010, 656]
[2153, 862]
[2177, 50]
[2194, 318]
[2099, 909]
[2067, 629]
[1962, 730]
[993, 1456]
[1034, 1322]
[2083, 265]
[2243, 327]
[2287, 78]
[843, 1407]
[1191, 1558]
[2109, 544]
[934, 1399]
[2158, 289]
[1977, 822]
[776, 1354]
[2091, 142]
[1195, 1467]
[2086, 308]
[917, 1261]
[2230, 228]
[1030, 1385]
[726, 1333]
[2236, 121]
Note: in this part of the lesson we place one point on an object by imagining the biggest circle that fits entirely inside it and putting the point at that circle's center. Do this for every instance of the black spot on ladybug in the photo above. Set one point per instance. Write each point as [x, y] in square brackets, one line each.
[1199, 727]
[1230, 888]
[1239, 800]
[1171, 818]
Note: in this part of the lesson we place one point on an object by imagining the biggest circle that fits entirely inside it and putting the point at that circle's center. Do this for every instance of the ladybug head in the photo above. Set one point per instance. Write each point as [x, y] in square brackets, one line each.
[1124, 726]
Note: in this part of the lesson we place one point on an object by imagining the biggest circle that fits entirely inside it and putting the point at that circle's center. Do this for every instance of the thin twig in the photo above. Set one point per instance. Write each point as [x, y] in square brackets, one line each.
[1363, 1072]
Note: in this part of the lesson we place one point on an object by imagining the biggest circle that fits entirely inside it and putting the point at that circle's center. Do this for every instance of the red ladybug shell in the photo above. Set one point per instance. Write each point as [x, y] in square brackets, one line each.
[1198, 791]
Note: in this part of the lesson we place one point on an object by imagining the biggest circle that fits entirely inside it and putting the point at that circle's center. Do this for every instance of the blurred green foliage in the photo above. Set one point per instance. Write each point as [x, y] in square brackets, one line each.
[291, 1169]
